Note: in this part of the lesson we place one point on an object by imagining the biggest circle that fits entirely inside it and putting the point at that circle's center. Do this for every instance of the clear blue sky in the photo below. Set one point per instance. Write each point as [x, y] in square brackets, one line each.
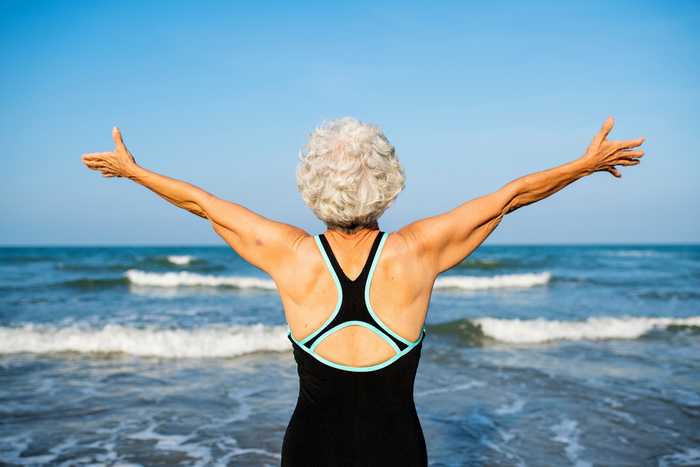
[223, 94]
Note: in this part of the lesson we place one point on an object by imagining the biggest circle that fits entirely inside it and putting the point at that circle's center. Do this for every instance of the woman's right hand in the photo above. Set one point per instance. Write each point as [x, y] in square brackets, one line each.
[603, 155]
[118, 163]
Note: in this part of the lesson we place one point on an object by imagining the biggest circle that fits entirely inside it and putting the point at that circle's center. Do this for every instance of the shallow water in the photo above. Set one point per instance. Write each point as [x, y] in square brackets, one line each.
[535, 355]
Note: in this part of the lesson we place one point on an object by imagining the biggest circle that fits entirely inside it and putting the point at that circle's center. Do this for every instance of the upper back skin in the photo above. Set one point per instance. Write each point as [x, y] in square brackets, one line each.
[400, 293]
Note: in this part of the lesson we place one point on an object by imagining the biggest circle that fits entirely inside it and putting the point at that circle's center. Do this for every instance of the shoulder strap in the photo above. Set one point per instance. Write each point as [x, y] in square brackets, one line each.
[336, 266]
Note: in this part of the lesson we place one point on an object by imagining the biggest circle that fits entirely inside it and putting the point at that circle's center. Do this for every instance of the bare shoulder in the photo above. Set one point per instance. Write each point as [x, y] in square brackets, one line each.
[443, 240]
[400, 243]
[410, 243]
[403, 259]
[297, 277]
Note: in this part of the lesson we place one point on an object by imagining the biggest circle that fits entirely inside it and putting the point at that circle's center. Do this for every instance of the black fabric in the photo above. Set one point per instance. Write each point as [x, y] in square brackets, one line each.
[355, 419]
[347, 418]
[353, 307]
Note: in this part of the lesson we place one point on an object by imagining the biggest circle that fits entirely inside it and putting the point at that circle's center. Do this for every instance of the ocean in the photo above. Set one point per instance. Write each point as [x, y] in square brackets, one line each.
[534, 356]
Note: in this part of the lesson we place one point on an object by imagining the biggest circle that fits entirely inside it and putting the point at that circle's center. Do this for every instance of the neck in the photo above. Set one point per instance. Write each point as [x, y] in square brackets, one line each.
[355, 234]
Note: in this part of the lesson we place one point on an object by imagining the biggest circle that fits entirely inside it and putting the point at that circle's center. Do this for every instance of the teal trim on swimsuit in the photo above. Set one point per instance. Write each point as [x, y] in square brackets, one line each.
[356, 323]
[337, 286]
[399, 353]
[367, 301]
[378, 366]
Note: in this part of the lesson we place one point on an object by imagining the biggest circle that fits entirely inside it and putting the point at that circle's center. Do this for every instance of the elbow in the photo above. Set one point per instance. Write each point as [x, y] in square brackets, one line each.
[511, 206]
[514, 193]
[496, 221]
[203, 203]
[199, 213]
[195, 209]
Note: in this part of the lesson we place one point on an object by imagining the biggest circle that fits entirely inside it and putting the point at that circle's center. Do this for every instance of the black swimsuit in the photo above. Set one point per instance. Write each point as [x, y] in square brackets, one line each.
[348, 415]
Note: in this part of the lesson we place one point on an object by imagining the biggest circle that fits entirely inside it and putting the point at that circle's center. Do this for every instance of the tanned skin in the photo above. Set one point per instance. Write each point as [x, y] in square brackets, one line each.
[412, 257]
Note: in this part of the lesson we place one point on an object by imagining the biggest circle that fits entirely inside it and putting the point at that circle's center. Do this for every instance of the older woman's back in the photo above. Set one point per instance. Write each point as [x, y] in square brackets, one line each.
[356, 369]
[397, 296]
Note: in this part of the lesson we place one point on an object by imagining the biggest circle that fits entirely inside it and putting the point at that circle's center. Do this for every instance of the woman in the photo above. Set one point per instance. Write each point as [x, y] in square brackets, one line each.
[355, 297]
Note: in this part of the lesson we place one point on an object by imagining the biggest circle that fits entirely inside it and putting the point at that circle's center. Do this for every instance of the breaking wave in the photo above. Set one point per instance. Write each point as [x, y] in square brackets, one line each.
[180, 260]
[220, 341]
[213, 341]
[478, 331]
[492, 282]
[186, 278]
[192, 279]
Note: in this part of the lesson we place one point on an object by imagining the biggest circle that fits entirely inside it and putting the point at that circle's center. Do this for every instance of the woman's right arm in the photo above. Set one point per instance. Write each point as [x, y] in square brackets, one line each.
[444, 240]
[265, 243]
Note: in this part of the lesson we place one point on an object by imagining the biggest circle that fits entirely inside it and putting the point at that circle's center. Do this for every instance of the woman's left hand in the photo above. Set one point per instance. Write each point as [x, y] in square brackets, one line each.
[119, 163]
[603, 155]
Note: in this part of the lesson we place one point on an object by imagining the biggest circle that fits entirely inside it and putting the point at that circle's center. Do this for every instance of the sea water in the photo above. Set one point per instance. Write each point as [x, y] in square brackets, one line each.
[534, 356]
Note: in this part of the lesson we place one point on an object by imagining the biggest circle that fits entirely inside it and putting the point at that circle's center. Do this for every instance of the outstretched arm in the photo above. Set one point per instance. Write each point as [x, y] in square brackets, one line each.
[446, 239]
[260, 241]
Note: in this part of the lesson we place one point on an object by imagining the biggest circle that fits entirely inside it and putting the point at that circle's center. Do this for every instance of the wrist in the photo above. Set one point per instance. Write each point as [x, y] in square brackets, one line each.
[583, 166]
[133, 171]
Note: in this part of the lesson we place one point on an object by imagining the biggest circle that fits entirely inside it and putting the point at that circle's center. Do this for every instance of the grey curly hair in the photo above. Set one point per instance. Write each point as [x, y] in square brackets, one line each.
[349, 174]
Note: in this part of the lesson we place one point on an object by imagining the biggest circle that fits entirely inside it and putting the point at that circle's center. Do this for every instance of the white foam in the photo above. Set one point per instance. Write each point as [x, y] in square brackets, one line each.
[492, 282]
[202, 454]
[12, 449]
[191, 279]
[690, 456]
[567, 432]
[206, 342]
[458, 387]
[604, 327]
[180, 260]
[632, 253]
[508, 409]
[506, 435]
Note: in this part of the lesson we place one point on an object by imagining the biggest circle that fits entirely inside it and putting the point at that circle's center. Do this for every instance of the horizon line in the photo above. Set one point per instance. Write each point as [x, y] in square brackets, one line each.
[224, 245]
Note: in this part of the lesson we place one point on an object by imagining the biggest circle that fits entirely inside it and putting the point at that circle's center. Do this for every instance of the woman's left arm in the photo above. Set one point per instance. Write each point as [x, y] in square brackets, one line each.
[261, 241]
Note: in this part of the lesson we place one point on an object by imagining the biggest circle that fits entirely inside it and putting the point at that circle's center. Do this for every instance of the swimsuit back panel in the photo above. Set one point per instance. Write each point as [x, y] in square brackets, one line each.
[355, 415]
[353, 308]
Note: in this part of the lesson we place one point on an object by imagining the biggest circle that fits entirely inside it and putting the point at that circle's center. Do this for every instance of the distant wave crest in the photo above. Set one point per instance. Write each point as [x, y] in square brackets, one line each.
[185, 278]
[530, 331]
[632, 253]
[180, 260]
[487, 263]
[210, 341]
[492, 282]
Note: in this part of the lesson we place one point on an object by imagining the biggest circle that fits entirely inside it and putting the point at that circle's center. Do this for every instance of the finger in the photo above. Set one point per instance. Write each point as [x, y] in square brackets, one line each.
[629, 154]
[631, 143]
[117, 135]
[95, 155]
[615, 172]
[97, 160]
[628, 162]
[604, 130]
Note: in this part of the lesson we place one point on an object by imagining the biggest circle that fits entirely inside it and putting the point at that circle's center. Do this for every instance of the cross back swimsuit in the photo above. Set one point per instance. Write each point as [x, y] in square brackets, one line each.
[354, 415]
